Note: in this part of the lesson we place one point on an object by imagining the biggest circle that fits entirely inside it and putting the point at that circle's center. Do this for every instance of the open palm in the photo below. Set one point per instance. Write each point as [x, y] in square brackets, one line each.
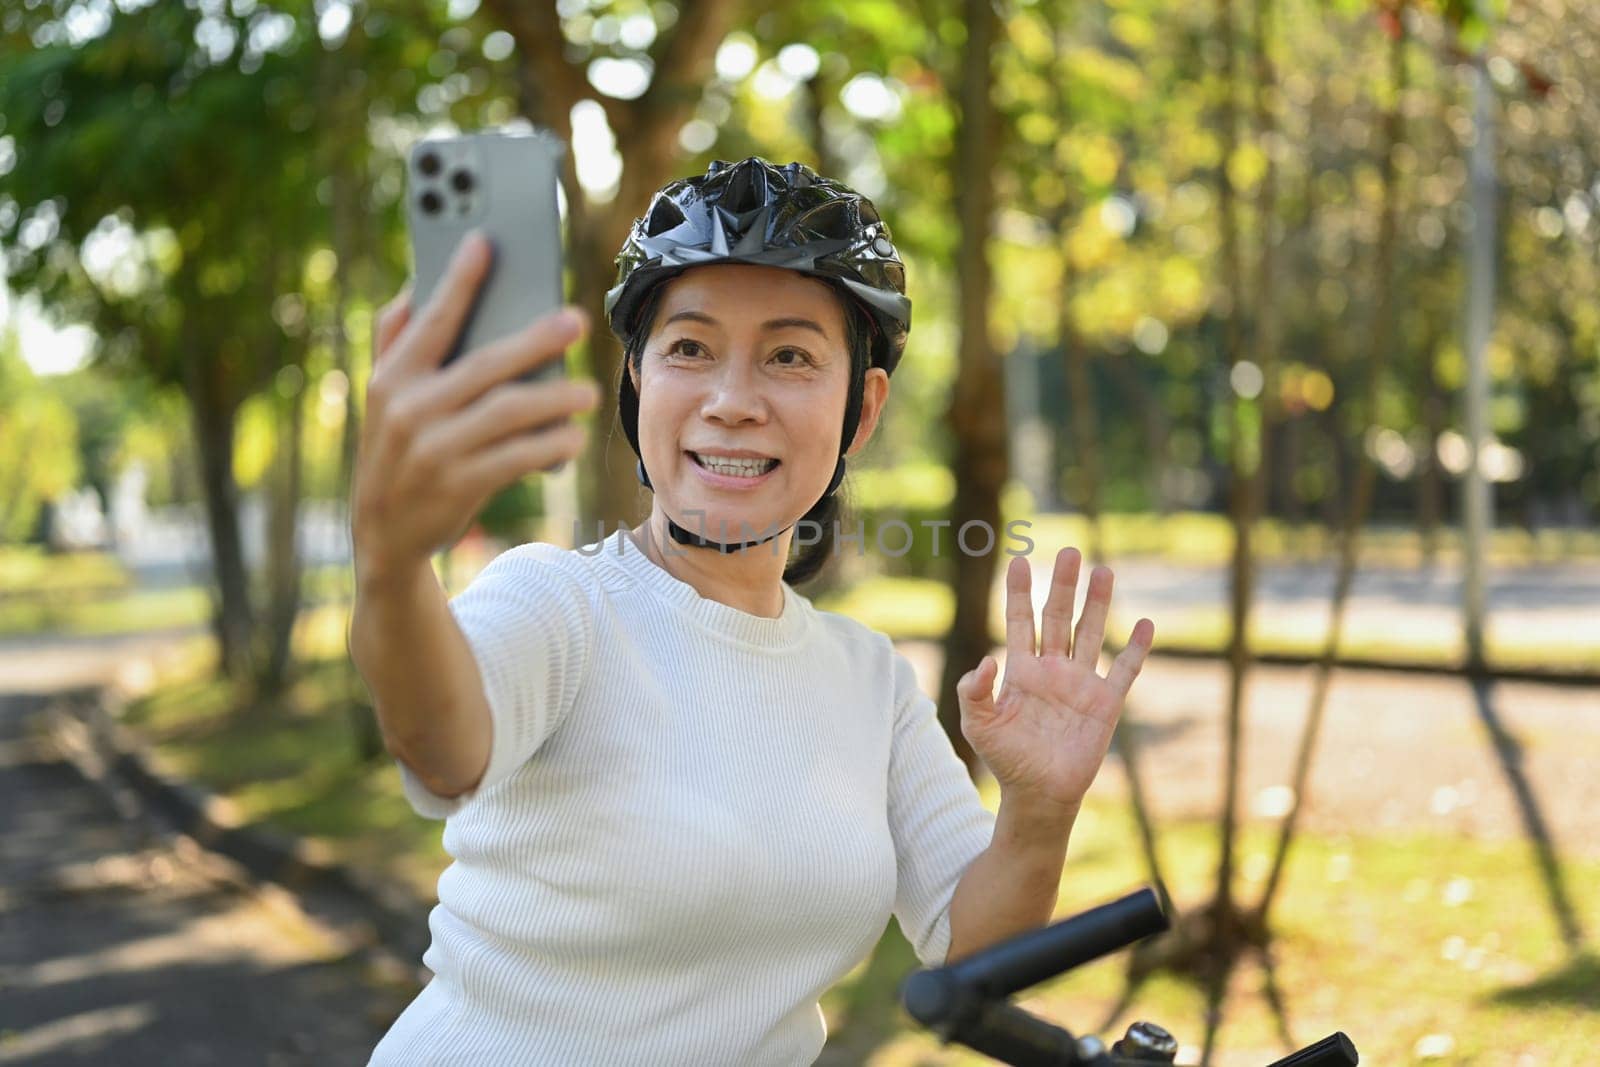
[1046, 733]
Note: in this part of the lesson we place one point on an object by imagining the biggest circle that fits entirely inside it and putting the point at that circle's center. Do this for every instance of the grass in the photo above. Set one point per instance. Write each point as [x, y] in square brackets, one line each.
[29, 568]
[1409, 942]
[46, 592]
[93, 597]
[119, 613]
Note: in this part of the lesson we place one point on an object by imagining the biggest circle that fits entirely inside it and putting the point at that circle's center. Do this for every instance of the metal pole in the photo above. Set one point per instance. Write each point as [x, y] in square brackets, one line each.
[1477, 503]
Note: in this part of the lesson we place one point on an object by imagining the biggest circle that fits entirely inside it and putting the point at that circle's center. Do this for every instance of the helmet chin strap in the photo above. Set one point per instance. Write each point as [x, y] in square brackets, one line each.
[687, 537]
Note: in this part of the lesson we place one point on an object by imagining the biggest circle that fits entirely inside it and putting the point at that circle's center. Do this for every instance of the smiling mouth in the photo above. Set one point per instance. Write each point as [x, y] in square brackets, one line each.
[736, 468]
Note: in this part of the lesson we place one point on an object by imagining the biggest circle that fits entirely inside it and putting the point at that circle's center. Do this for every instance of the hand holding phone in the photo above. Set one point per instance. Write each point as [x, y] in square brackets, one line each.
[504, 186]
[469, 391]
[439, 440]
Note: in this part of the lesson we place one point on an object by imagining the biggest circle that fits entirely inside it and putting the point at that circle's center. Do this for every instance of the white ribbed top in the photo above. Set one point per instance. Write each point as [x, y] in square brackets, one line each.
[694, 821]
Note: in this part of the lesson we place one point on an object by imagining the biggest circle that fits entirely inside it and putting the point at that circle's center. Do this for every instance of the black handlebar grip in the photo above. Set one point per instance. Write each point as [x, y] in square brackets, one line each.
[1032, 957]
[1335, 1050]
[1009, 1034]
[934, 998]
[997, 1029]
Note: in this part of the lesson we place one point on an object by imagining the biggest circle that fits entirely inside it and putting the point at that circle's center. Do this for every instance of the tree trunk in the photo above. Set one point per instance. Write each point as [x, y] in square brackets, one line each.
[284, 565]
[609, 489]
[351, 237]
[212, 412]
[1085, 427]
[1380, 342]
[813, 99]
[550, 84]
[1225, 934]
[1430, 480]
[976, 413]
[1242, 463]
[1288, 452]
[1266, 336]
[347, 224]
[363, 720]
[1086, 438]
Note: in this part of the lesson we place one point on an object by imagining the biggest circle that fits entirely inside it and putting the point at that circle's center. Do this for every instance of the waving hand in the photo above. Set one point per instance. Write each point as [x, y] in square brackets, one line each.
[1046, 733]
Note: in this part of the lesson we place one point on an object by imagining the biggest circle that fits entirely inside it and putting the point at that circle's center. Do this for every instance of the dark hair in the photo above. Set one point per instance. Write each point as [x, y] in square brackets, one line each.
[824, 514]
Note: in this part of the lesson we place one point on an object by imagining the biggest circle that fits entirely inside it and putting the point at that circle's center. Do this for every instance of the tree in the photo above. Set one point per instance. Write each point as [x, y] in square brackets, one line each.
[979, 459]
[1382, 341]
[182, 249]
[552, 80]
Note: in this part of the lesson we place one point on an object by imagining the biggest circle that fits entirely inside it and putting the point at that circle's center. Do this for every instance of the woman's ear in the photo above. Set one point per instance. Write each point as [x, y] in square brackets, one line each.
[874, 394]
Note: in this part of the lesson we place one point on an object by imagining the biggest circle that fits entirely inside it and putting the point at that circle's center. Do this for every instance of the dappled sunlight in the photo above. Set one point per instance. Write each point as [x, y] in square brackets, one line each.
[95, 1026]
[1282, 310]
[1390, 938]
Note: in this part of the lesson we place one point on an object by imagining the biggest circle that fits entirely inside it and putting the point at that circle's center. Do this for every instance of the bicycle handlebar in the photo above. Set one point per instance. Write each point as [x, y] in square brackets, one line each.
[965, 1001]
[1335, 1050]
[1030, 959]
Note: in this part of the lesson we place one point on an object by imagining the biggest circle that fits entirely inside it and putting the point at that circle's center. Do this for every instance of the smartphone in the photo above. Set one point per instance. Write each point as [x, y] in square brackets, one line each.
[503, 183]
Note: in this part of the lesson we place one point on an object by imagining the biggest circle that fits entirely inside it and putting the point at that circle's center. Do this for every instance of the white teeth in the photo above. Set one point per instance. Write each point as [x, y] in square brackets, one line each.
[739, 468]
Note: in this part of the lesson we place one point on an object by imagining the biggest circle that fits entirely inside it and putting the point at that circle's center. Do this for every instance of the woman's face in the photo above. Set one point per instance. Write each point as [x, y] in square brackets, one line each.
[745, 375]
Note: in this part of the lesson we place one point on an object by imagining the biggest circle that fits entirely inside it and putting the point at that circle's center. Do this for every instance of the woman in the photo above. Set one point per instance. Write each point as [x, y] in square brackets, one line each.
[681, 801]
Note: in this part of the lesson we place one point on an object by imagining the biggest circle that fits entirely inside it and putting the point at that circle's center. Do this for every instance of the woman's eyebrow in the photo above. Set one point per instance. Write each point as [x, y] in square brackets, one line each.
[771, 324]
[804, 324]
[695, 316]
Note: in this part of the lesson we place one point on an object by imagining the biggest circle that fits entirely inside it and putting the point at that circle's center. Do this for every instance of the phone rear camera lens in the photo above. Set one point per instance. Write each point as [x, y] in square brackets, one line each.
[431, 202]
[462, 181]
[428, 164]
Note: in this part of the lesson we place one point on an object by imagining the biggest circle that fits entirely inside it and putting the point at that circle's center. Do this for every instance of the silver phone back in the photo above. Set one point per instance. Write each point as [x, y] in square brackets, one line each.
[504, 184]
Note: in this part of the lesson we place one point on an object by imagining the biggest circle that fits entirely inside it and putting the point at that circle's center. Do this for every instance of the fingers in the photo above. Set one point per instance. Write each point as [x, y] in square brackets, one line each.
[508, 410]
[1056, 633]
[1019, 608]
[1130, 661]
[1091, 632]
[539, 343]
[520, 455]
[433, 330]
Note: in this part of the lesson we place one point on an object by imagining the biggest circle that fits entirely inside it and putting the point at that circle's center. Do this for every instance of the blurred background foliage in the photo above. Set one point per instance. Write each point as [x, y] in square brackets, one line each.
[1225, 240]
[213, 189]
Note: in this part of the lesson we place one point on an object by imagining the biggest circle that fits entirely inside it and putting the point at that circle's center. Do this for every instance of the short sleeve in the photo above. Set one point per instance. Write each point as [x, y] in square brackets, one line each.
[936, 817]
[529, 621]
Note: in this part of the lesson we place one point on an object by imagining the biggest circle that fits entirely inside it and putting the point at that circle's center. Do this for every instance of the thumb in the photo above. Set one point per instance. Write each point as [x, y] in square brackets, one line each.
[976, 688]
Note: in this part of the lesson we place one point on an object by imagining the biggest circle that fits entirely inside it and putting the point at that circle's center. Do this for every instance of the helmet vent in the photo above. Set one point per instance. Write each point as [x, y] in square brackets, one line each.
[664, 216]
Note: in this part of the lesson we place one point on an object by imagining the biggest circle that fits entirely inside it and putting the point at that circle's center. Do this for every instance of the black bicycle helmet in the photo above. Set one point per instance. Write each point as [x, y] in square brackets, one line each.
[754, 212]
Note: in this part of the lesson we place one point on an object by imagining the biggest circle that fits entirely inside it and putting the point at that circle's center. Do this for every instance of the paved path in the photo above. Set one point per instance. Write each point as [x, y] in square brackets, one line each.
[1399, 751]
[118, 949]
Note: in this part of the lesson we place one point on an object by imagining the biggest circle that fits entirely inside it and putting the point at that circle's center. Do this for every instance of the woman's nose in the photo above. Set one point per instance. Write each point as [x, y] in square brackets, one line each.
[735, 395]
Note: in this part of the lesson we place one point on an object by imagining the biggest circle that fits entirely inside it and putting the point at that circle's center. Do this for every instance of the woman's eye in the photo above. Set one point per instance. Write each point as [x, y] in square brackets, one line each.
[685, 347]
[798, 358]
